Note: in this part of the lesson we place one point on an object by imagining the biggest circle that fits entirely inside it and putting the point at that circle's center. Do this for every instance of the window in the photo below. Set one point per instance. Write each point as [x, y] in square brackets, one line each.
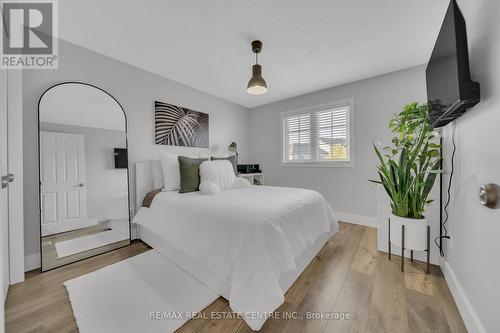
[318, 136]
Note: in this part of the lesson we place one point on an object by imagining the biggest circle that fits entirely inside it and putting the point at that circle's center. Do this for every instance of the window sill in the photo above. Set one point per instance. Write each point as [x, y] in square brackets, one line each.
[349, 164]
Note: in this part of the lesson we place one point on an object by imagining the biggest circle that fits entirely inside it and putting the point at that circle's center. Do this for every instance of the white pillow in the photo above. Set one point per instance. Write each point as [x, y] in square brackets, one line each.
[209, 188]
[240, 182]
[157, 173]
[219, 172]
[170, 167]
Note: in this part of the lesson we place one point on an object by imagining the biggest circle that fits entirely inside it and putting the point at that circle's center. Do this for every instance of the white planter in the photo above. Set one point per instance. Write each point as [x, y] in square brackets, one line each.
[415, 232]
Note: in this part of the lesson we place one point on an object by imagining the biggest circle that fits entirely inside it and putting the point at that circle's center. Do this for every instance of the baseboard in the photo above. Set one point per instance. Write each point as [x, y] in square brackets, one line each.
[358, 219]
[32, 262]
[134, 234]
[469, 316]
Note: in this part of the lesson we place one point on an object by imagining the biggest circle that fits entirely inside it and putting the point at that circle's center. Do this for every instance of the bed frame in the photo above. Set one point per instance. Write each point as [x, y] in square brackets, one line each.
[144, 184]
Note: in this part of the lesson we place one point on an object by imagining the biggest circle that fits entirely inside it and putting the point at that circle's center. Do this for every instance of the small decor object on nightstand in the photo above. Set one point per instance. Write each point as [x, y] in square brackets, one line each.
[249, 168]
[233, 149]
[408, 170]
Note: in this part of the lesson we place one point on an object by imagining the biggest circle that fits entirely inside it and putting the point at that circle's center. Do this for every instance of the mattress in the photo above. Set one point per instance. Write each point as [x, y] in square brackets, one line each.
[246, 239]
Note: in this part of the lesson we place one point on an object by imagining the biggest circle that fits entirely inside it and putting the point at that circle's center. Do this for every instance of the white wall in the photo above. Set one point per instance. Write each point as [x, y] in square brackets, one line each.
[4, 194]
[81, 105]
[136, 90]
[347, 189]
[472, 263]
[102, 179]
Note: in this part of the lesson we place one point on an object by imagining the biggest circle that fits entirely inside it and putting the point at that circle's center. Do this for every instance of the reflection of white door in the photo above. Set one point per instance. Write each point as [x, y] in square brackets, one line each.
[63, 187]
[4, 201]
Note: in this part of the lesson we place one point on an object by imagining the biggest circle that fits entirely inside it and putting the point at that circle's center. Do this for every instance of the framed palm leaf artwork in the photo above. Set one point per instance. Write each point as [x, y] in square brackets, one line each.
[178, 126]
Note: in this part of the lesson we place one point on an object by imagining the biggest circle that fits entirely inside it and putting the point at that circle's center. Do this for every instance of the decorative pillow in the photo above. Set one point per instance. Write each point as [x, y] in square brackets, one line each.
[170, 168]
[219, 172]
[148, 199]
[209, 188]
[189, 170]
[231, 159]
[157, 173]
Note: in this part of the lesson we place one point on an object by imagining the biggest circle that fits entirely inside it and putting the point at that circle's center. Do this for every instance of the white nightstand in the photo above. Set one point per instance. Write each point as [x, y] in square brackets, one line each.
[253, 178]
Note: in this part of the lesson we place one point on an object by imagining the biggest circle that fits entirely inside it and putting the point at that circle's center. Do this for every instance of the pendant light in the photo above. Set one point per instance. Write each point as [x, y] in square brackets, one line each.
[257, 85]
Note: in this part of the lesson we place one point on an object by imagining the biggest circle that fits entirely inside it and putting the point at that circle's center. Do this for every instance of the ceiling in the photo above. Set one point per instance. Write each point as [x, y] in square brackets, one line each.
[308, 45]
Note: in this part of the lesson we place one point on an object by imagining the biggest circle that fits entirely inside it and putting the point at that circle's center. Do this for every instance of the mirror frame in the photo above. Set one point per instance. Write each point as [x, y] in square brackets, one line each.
[40, 183]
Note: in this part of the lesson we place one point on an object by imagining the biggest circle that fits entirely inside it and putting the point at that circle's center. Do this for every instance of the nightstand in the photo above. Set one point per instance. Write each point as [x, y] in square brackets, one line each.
[253, 178]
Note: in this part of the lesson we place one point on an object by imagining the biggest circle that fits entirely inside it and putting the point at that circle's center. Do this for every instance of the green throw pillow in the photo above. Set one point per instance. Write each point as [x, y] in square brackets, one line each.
[189, 169]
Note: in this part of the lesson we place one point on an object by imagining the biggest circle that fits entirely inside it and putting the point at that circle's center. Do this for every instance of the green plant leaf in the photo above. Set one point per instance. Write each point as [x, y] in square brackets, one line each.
[409, 174]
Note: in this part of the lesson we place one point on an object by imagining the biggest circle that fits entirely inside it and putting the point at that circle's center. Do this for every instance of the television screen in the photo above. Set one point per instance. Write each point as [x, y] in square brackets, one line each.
[121, 159]
[450, 90]
[442, 71]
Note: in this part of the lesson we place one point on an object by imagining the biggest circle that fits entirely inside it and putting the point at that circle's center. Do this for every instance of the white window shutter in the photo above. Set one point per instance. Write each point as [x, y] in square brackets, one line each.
[320, 135]
[332, 134]
[298, 137]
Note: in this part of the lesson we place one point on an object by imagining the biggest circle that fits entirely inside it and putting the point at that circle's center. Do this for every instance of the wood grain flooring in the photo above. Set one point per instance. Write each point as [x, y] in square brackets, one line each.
[349, 278]
[49, 253]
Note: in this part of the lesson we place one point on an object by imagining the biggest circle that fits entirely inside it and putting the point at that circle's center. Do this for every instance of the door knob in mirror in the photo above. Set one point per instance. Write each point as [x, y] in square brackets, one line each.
[7, 179]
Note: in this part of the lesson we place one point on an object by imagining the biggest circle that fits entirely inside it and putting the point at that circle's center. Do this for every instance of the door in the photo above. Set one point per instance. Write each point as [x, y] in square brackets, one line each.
[62, 177]
[4, 201]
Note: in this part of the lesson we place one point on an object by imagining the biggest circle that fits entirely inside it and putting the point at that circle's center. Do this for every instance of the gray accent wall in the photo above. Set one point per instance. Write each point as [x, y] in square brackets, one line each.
[136, 90]
[346, 188]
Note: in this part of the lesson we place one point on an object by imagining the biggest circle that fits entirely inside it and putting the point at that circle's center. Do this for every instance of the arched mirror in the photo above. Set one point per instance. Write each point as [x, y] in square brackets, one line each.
[84, 193]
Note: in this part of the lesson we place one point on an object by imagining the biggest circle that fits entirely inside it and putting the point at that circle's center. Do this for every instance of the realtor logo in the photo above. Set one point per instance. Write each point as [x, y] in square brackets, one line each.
[29, 34]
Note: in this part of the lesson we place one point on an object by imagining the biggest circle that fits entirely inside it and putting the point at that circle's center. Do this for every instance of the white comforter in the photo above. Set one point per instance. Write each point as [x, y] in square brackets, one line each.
[247, 237]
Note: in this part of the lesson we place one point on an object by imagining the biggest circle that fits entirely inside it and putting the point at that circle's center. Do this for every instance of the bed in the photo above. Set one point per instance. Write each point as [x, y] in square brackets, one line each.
[247, 244]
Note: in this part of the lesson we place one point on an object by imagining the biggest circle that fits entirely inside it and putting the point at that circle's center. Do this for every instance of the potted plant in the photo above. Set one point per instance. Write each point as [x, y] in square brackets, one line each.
[407, 171]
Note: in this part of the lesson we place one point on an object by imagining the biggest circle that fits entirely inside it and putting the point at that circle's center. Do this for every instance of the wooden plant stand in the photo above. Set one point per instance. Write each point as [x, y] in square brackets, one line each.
[428, 250]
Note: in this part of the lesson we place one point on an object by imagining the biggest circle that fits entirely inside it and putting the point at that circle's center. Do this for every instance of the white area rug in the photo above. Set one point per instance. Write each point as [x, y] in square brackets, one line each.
[122, 296]
[85, 243]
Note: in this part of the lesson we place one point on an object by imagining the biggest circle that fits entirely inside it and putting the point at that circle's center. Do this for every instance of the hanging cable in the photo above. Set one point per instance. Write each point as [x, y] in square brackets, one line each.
[448, 199]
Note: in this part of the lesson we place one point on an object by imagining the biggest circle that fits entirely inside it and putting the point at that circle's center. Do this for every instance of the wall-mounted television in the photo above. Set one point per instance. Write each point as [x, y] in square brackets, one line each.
[121, 158]
[450, 89]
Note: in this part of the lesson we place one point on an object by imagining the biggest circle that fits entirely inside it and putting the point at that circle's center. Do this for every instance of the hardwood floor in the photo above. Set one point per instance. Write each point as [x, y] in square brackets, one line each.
[348, 276]
[49, 257]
